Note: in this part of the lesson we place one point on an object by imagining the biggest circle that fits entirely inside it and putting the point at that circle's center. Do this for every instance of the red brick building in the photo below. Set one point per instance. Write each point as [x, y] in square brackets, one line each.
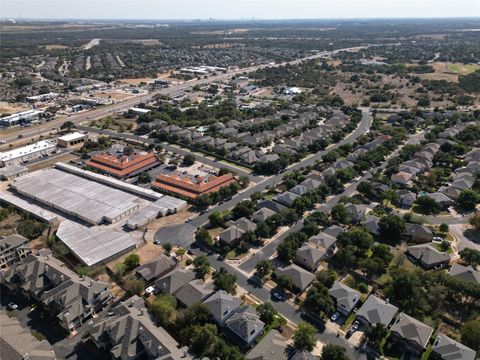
[189, 188]
[123, 166]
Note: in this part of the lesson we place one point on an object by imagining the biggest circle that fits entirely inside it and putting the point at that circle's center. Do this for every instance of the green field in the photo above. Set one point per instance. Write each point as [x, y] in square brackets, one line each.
[462, 69]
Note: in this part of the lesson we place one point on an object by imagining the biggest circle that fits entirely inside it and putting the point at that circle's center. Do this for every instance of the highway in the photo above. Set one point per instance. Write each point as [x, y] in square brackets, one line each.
[173, 90]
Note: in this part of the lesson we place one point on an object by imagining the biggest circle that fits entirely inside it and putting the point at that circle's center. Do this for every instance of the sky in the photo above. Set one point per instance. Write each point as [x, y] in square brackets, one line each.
[239, 9]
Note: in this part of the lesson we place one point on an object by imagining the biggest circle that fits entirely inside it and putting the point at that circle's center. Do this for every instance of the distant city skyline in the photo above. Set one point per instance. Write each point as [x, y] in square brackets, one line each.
[236, 10]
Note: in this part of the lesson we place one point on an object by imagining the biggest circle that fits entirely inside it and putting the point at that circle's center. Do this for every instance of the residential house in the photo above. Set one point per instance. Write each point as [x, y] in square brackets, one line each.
[300, 277]
[271, 347]
[311, 184]
[376, 311]
[246, 324]
[153, 270]
[334, 230]
[345, 297]
[194, 291]
[287, 198]
[222, 305]
[272, 205]
[17, 342]
[427, 256]
[406, 198]
[299, 190]
[357, 212]
[418, 233]
[304, 355]
[441, 199]
[13, 248]
[324, 242]
[413, 334]
[445, 348]
[309, 257]
[245, 224]
[401, 178]
[173, 281]
[466, 273]
[371, 224]
[130, 334]
[69, 297]
[262, 215]
[450, 191]
[231, 235]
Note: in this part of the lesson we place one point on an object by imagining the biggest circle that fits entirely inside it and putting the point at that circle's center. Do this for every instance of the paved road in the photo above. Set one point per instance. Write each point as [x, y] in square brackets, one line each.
[172, 91]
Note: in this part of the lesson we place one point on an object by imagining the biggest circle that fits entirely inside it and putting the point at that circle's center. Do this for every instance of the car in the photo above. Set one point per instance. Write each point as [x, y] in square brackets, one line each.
[220, 258]
[90, 322]
[20, 136]
[355, 325]
[438, 238]
[277, 296]
[335, 316]
[12, 306]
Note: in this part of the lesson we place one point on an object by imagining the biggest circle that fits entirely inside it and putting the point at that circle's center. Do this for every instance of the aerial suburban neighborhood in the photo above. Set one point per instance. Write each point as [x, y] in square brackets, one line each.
[253, 189]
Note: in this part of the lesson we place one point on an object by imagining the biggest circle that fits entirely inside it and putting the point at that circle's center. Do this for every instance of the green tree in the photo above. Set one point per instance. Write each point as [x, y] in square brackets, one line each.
[144, 177]
[327, 277]
[305, 337]
[443, 227]
[203, 237]
[427, 205]
[340, 214]
[167, 247]
[202, 267]
[263, 268]
[333, 352]
[376, 334]
[188, 159]
[470, 256]
[223, 280]
[263, 230]
[470, 333]
[67, 126]
[216, 219]
[128, 150]
[318, 300]
[391, 227]
[267, 312]
[284, 282]
[164, 308]
[133, 286]
[475, 221]
[132, 261]
[468, 199]
[243, 181]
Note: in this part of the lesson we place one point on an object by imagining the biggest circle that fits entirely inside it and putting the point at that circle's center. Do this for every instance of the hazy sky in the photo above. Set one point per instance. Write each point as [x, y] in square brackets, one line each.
[236, 9]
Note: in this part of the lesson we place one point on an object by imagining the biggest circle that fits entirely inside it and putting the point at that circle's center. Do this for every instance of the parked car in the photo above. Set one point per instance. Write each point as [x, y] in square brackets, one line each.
[277, 296]
[12, 306]
[335, 316]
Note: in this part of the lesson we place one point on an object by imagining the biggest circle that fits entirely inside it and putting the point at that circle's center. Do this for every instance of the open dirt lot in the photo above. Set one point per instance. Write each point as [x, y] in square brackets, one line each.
[114, 95]
[10, 108]
[137, 81]
[170, 219]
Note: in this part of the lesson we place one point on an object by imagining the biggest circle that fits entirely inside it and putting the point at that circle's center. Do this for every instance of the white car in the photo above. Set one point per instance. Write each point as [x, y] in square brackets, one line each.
[12, 306]
[335, 316]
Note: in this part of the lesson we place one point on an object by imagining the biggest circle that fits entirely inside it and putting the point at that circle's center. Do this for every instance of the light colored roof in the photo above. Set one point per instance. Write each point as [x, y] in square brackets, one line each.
[308, 256]
[245, 323]
[12, 170]
[95, 244]
[412, 330]
[72, 136]
[28, 207]
[334, 230]
[262, 214]
[376, 310]
[322, 240]
[26, 150]
[345, 296]
[174, 280]
[221, 305]
[450, 349]
[90, 201]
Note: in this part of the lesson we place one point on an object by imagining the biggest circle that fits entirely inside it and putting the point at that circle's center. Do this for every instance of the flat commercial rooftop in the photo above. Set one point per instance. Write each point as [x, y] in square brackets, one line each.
[93, 245]
[26, 150]
[164, 206]
[84, 199]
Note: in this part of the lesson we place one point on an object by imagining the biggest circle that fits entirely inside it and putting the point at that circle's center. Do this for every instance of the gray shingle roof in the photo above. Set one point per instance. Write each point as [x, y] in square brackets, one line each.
[287, 198]
[159, 267]
[322, 240]
[428, 255]
[301, 278]
[222, 305]
[308, 256]
[465, 273]
[194, 291]
[334, 230]
[449, 349]
[412, 330]
[245, 323]
[376, 310]
[271, 347]
[262, 214]
[173, 281]
[345, 296]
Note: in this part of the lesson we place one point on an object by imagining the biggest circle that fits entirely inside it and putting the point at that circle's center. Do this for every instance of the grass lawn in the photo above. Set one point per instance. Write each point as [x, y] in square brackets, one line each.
[426, 353]
[462, 69]
[439, 248]
[348, 322]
